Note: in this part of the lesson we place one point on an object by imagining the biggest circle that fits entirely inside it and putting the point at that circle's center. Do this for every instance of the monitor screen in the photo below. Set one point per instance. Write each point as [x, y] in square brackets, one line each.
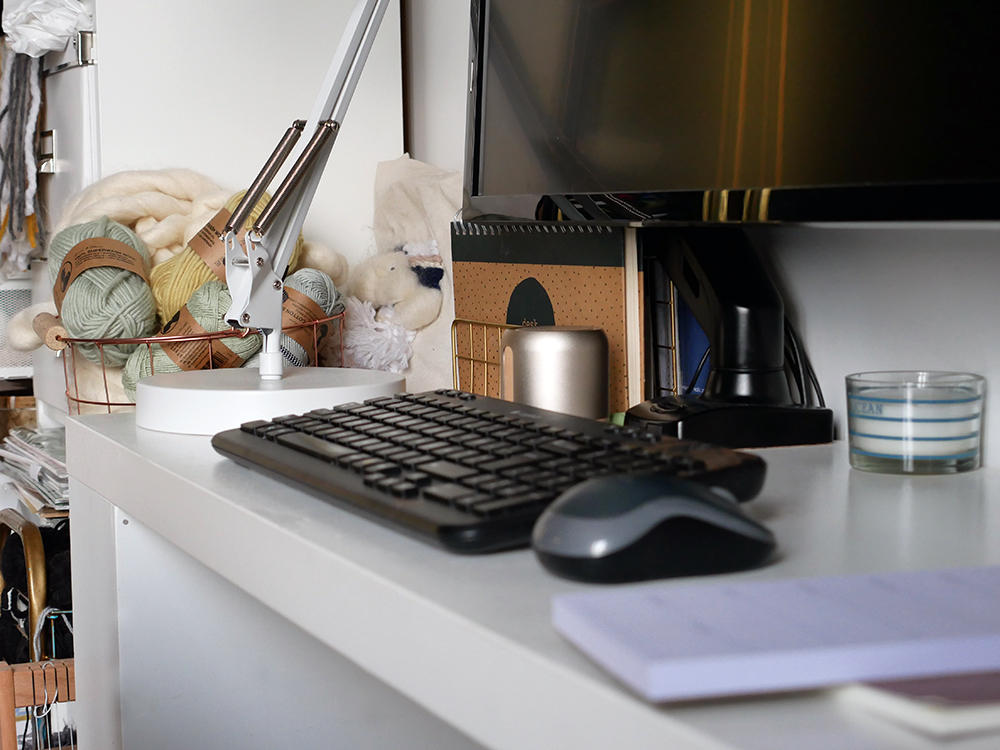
[654, 96]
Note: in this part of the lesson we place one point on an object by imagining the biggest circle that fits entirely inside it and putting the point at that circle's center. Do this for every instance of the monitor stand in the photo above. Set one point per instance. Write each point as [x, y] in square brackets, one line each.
[747, 402]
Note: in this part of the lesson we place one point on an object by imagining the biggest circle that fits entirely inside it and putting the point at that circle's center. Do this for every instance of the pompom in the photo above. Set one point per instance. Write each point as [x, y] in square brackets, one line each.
[373, 344]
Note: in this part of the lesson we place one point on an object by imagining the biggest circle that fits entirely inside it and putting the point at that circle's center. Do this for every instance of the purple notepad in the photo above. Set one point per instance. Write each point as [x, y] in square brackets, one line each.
[679, 641]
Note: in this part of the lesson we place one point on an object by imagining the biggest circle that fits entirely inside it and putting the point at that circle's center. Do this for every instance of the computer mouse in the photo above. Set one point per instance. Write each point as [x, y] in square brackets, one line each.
[623, 527]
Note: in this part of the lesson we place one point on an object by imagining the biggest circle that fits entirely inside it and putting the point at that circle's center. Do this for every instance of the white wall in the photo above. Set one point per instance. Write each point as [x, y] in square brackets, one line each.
[439, 77]
[212, 86]
[912, 297]
[862, 298]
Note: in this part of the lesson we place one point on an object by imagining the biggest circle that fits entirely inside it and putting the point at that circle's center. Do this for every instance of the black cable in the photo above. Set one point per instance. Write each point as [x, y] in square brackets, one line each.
[792, 365]
[805, 364]
[697, 372]
[792, 340]
[815, 381]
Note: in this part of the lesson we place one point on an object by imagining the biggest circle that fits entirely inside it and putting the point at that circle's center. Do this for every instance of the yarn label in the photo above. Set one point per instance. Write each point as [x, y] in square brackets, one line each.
[209, 246]
[297, 311]
[194, 355]
[93, 253]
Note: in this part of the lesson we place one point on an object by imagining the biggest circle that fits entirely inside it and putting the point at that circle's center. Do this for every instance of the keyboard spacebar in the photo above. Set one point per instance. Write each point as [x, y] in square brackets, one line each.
[314, 446]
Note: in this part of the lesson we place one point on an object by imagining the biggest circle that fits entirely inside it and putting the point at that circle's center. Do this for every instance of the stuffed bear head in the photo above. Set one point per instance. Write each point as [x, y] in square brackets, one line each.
[390, 282]
[384, 279]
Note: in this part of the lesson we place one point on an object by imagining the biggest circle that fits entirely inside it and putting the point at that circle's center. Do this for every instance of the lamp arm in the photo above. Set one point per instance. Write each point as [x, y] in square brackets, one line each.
[255, 276]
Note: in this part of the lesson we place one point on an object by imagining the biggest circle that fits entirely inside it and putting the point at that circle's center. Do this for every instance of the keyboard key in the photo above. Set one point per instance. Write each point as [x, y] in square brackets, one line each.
[290, 419]
[494, 484]
[417, 478]
[458, 455]
[402, 488]
[360, 441]
[252, 427]
[372, 479]
[468, 502]
[437, 448]
[319, 413]
[563, 447]
[352, 458]
[364, 463]
[446, 493]
[508, 450]
[314, 446]
[387, 483]
[435, 429]
[389, 453]
[413, 459]
[447, 470]
[393, 435]
[476, 460]
[478, 479]
[479, 443]
[510, 462]
[386, 468]
[453, 435]
[505, 434]
[513, 490]
[395, 419]
[537, 477]
[517, 471]
[449, 418]
[506, 505]
[375, 430]
[555, 464]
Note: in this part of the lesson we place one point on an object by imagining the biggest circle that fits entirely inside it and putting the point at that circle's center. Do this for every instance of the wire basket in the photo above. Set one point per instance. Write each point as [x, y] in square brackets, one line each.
[475, 348]
[82, 392]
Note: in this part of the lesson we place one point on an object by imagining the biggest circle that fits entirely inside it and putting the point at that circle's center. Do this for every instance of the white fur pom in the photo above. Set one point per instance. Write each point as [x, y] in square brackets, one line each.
[372, 344]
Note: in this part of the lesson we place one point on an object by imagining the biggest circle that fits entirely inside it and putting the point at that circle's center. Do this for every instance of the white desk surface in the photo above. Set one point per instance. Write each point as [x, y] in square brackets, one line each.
[470, 639]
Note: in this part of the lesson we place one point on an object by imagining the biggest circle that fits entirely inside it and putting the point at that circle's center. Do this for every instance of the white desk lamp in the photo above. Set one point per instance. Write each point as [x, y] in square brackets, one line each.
[204, 402]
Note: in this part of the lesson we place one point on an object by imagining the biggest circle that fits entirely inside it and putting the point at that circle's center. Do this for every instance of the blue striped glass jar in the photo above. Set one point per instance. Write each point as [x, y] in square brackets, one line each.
[915, 422]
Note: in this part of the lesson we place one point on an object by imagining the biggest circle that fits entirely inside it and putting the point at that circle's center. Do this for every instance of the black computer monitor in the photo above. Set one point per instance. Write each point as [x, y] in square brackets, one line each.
[734, 110]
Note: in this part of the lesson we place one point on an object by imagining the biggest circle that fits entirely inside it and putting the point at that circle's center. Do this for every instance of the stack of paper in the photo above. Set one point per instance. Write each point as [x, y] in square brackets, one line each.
[676, 642]
[35, 461]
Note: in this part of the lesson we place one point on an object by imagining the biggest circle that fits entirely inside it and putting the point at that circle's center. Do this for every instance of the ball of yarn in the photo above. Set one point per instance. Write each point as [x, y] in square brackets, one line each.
[318, 287]
[104, 302]
[175, 280]
[208, 306]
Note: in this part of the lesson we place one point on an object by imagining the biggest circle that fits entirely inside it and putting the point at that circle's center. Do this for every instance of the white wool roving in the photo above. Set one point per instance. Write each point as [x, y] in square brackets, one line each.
[21, 334]
[164, 207]
[91, 382]
[372, 344]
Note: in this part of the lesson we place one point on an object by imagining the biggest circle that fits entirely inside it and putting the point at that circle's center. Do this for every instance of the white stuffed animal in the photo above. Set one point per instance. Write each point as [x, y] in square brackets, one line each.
[404, 285]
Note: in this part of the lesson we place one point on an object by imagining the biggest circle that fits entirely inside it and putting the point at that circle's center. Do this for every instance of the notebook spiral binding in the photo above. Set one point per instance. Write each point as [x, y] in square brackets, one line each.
[469, 228]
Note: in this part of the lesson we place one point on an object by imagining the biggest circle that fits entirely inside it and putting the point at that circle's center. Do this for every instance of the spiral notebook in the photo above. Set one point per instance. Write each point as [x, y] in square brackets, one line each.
[678, 641]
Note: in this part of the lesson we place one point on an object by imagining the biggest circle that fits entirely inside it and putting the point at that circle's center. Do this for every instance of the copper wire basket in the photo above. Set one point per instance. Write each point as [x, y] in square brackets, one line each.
[327, 351]
[475, 350]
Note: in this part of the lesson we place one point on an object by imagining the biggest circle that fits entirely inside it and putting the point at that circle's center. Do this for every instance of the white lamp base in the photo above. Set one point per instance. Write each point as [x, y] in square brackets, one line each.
[204, 402]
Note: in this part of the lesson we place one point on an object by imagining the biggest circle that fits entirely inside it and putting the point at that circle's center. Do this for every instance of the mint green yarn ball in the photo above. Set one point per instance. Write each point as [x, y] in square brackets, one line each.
[104, 302]
[318, 287]
[208, 306]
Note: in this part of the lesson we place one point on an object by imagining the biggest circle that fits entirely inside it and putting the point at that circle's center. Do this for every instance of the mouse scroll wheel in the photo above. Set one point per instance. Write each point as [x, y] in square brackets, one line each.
[724, 494]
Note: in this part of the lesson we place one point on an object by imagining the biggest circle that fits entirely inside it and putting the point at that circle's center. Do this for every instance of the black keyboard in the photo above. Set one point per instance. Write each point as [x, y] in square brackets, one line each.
[467, 472]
